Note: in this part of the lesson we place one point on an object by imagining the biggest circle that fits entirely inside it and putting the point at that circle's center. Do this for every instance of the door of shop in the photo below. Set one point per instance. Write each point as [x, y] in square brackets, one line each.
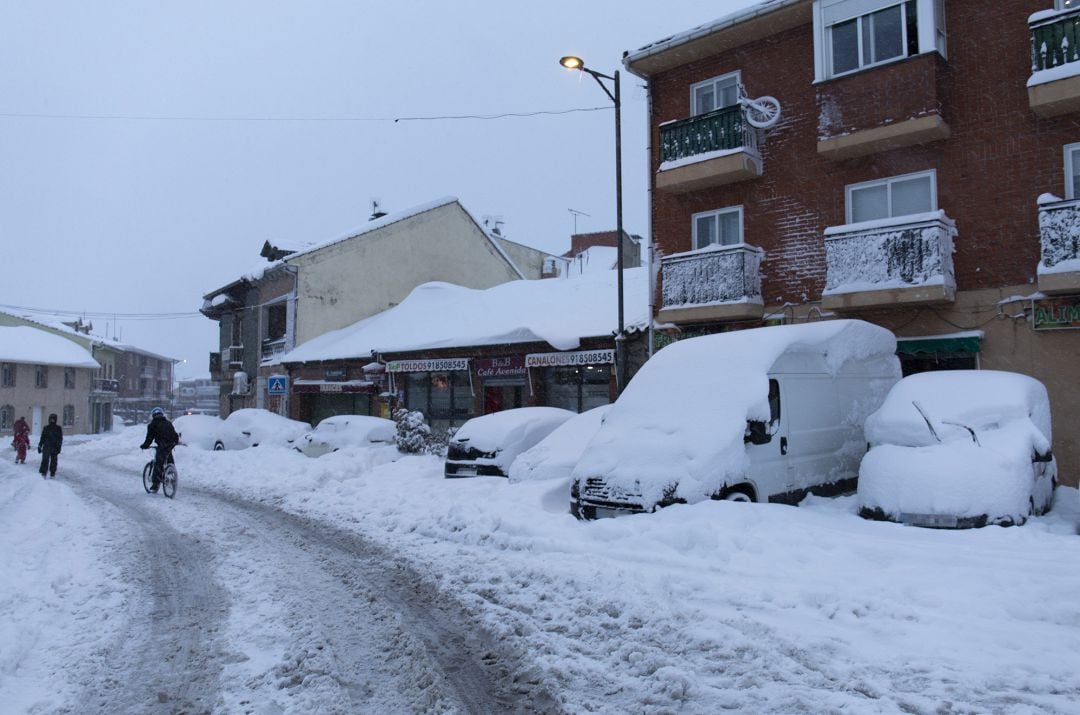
[502, 397]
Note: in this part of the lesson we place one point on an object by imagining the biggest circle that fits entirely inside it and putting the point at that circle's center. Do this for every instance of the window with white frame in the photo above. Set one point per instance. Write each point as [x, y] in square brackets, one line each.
[715, 93]
[852, 35]
[69, 416]
[722, 227]
[1072, 167]
[7, 417]
[889, 198]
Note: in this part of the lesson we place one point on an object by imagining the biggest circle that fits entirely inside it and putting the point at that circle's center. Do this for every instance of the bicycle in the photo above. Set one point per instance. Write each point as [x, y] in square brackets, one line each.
[169, 475]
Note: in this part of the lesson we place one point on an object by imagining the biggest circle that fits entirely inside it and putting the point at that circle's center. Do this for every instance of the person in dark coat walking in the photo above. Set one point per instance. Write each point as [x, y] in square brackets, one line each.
[22, 440]
[160, 430]
[52, 438]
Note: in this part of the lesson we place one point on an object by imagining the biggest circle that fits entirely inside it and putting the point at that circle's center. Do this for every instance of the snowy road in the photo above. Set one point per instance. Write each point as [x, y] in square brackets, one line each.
[237, 607]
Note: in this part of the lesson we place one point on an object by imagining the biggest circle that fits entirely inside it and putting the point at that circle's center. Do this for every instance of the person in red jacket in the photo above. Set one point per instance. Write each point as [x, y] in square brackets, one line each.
[22, 440]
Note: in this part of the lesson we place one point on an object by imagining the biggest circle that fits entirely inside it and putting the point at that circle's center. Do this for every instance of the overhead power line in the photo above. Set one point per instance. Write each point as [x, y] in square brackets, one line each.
[192, 118]
[103, 315]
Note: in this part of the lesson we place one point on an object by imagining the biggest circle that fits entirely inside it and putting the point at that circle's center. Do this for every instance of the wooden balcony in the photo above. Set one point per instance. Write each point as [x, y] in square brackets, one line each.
[1059, 235]
[707, 150]
[718, 283]
[902, 261]
[1054, 86]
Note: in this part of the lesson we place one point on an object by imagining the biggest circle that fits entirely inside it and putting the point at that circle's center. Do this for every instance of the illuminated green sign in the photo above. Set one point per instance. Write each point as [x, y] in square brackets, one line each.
[1057, 313]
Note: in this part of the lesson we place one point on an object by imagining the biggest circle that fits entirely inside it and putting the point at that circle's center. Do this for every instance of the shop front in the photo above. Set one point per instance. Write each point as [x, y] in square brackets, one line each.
[578, 380]
[442, 389]
[334, 393]
[504, 382]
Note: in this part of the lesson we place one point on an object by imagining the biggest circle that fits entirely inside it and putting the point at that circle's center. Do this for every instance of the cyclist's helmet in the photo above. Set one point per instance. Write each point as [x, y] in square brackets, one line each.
[156, 411]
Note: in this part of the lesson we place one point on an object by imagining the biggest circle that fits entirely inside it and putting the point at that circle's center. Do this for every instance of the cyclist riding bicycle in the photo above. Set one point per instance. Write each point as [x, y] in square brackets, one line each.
[160, 430]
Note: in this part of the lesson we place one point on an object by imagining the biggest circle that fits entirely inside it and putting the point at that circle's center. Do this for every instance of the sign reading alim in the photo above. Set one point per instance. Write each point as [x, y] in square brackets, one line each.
[1057, 313]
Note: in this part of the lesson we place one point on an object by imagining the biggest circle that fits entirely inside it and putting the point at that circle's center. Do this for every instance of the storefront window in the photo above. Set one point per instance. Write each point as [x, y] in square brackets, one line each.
[445, 398]
[578, 388]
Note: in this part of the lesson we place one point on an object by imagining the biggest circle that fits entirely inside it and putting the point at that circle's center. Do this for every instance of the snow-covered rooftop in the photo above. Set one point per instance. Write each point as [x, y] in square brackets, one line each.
[24, 344]
[442, 315]
[95, 338]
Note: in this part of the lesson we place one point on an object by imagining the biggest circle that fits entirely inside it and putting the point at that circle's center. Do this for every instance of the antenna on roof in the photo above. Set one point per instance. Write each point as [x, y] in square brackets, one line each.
[577, 213]
[376, 209]
[492, 224]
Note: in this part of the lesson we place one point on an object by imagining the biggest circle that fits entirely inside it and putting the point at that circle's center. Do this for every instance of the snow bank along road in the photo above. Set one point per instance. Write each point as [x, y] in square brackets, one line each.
[220, 605]
[362, 581]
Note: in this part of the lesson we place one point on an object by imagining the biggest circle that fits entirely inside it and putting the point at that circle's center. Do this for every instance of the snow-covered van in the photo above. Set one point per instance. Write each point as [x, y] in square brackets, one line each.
[767, 415]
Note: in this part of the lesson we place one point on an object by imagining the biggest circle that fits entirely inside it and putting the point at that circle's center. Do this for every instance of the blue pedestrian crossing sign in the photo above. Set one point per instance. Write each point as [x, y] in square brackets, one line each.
[277, 384]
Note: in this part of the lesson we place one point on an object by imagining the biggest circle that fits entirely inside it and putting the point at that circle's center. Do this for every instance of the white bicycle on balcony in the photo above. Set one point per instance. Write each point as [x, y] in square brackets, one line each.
[762, 112]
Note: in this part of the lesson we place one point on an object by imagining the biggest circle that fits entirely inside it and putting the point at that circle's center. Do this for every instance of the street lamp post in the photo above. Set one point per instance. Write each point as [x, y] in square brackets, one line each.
[576, 63]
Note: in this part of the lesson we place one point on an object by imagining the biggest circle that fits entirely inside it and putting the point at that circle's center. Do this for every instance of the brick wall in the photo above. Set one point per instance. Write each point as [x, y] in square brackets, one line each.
[998, 159]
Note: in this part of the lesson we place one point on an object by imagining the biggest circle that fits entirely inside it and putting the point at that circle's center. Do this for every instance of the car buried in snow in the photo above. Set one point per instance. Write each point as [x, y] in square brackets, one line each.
[334, 433]
[959, 449]
[761, 415]
[251, 427]
[488, 445]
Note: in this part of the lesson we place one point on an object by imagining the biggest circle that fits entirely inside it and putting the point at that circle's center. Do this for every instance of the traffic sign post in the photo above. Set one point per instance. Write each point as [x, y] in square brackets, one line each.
[277, 385]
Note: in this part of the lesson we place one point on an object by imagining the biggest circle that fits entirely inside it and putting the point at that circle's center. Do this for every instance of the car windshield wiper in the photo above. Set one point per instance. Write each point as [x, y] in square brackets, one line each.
[929, 424]
[961, 424]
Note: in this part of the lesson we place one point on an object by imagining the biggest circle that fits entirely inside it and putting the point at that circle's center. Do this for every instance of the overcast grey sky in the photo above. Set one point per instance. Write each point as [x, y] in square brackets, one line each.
[146, 215]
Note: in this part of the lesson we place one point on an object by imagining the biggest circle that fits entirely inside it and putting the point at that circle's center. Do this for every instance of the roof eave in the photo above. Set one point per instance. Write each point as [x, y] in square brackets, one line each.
[742, 28]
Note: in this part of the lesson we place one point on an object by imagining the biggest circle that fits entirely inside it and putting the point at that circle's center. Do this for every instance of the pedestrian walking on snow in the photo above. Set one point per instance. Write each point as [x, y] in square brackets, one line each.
[52, 438]
[22, 440]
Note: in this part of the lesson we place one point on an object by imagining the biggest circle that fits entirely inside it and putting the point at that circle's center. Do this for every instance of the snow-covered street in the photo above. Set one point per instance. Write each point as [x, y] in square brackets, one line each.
[362, 581]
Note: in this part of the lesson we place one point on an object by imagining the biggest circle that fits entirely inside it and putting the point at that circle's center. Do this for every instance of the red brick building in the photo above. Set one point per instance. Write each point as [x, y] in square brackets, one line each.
[900, 183]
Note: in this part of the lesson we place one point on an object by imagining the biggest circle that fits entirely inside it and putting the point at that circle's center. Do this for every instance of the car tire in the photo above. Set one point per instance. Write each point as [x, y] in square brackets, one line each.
[219, 446]
[737, 494]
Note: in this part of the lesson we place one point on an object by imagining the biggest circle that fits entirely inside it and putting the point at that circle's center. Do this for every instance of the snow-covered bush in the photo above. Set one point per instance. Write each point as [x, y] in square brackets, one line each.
[414, 435]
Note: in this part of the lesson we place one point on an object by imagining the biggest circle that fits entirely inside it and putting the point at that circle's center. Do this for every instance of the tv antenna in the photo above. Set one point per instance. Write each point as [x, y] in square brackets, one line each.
[577, 213]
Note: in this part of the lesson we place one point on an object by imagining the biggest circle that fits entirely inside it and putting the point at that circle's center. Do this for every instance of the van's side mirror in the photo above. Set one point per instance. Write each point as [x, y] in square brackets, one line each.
[758, 432]
[1049, 456]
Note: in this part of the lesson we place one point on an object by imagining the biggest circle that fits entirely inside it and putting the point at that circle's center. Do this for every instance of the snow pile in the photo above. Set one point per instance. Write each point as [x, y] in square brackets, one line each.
[557, 454]
[908, 471]
[890, 253]
[681, 421]
[508, 433]
[29, 345]
[438, 315]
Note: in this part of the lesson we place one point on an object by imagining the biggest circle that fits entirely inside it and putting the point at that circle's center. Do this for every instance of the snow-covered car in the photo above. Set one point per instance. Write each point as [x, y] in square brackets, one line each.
[488, 445]
[959, 449]
[199, 431]
[251, 427]
[760, 415]
[339, 431]
[554, 456]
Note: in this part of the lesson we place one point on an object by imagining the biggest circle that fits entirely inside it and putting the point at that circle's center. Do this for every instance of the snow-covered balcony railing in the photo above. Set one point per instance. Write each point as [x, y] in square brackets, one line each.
[896, 261]
[714, 283]
[236, 356]
[711, 149]
[102, 384]
[1059, 234]
[271, 348]
[1054, 86]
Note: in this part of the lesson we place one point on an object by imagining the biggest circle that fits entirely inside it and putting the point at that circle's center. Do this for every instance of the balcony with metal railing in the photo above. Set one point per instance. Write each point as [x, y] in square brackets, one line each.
[1059, 236]
[712, 284]
[712, 149]
[901, 261]
[1054, 86]
[273, 348]
[102, 384]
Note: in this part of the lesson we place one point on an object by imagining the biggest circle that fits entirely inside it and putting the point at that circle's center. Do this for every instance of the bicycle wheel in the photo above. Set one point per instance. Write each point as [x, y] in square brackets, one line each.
[148, 476]
[168, 481]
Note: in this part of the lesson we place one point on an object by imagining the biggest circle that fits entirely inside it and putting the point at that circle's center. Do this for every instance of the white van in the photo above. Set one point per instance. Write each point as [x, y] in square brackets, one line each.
[766, 415]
